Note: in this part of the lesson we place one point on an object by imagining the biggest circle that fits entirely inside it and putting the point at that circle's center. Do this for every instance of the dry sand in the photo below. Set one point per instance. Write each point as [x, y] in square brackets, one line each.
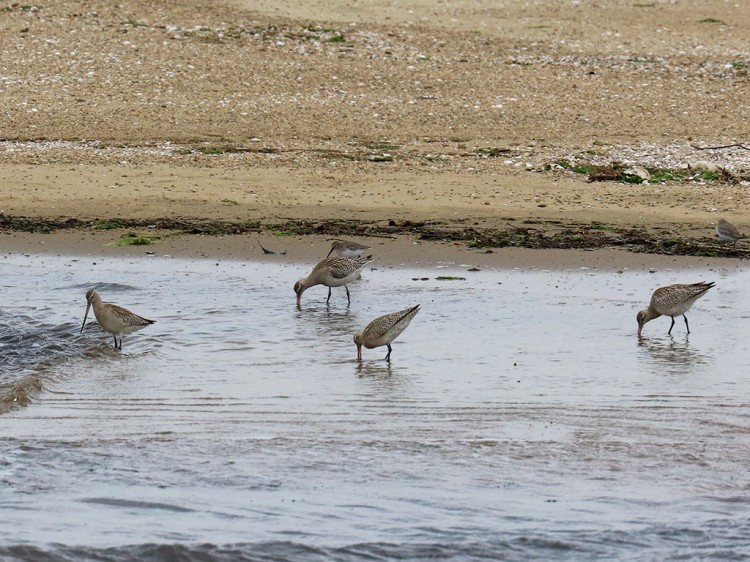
[269, 111]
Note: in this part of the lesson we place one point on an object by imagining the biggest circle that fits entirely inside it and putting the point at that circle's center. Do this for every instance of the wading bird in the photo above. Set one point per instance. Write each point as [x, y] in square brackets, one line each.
[383, 330]
[114, 319]
[672, 301]
[332, 272]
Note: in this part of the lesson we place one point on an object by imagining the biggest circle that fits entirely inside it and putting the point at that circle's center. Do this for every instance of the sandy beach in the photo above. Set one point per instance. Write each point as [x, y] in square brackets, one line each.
[363, 119]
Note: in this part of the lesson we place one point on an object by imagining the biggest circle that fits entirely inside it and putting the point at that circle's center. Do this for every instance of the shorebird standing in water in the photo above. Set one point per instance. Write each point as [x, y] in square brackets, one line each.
[114, 319]
[347, 248]
[672, 301]
[332, 272]
[383, 330]
[728, 232]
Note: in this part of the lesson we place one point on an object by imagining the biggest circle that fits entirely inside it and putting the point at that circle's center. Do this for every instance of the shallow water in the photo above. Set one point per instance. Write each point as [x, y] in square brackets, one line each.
[520, 417]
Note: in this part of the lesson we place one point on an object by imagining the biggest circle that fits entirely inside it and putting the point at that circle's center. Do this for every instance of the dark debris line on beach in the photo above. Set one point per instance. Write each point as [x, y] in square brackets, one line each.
[529, 234]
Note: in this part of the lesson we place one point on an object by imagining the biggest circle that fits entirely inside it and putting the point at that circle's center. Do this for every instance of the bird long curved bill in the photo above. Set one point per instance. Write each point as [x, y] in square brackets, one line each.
[88, 306]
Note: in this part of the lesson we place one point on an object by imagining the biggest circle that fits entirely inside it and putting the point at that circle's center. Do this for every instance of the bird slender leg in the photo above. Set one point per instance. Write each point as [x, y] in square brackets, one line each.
[671, 326]
[686, 324]
[329, 295]
[348, 298]
[114, 336]
[388, 357]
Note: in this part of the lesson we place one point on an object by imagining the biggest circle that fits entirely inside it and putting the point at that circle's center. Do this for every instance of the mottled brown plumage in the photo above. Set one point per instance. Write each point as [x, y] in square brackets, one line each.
[383, 330]
[332, 272]
[728, 232]
[672, 300]
[114, 319]
[347, 248]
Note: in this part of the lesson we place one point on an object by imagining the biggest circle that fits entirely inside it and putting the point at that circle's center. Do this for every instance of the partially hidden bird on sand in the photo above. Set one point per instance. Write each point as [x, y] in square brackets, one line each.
[332, 272]
[271, 252]
[383, 330]
[672, 300]
[727, 232]
[347, 248]
[114, 319]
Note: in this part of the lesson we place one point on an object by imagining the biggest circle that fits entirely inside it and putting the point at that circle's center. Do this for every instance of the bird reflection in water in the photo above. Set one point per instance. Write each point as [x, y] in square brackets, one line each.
[372, 370]
[674, 355]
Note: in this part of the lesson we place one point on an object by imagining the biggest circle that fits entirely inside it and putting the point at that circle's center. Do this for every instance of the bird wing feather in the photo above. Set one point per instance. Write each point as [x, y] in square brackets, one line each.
[381, 326]
[672, 295]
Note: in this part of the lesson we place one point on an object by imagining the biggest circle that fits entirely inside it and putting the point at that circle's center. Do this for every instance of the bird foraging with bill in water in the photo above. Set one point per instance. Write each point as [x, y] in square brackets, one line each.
[383, 330]
[672, 300]
[332, 272]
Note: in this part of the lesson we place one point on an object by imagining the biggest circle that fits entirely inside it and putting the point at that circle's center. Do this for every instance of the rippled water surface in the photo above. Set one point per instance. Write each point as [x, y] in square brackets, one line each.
[520, 417]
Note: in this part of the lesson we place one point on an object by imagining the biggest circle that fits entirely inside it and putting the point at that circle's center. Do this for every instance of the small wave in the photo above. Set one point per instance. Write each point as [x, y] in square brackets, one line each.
[29, 351]
[19, 393]
[278, 551]
[722, 539]
[101, 287]
[617, 545]
[116, 502]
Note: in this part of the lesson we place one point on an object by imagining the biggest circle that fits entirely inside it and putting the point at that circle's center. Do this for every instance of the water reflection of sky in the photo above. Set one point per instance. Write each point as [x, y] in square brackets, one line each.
[509, 386]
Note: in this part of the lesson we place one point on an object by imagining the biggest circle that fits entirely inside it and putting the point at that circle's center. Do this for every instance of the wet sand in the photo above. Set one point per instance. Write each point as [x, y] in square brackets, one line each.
[389, 252]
